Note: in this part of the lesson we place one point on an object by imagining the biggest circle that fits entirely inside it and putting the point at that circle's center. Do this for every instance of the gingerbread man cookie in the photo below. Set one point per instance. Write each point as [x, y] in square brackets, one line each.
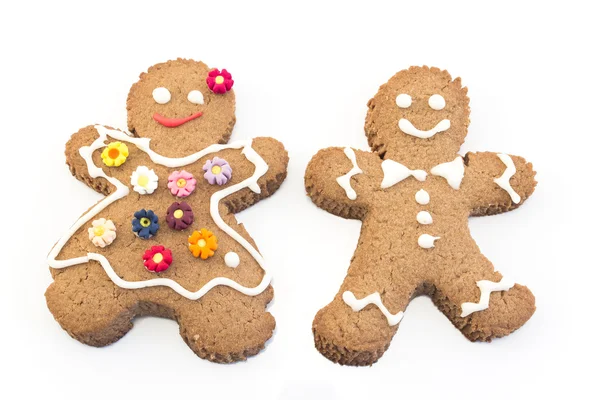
[414, 196]
[164, 241]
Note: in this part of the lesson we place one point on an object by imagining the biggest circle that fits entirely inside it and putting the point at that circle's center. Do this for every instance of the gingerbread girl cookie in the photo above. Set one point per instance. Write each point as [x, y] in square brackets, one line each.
[164, 241]
[414, 196]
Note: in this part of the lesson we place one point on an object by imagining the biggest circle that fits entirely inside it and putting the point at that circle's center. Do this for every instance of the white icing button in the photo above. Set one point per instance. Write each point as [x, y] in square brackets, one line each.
[403, 100]
[424, 218]
[161, 95]
[232, 260]
[196, 97]
[422, 197]
[437, 102]
[426, 241]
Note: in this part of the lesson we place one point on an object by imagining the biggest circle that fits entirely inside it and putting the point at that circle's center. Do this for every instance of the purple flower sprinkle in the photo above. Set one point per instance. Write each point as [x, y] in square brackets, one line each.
[217, 171]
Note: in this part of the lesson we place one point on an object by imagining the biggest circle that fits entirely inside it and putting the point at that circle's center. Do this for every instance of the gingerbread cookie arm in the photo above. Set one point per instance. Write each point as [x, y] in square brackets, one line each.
[76, 163]
[80, 169]
[276, 158]
[341, 180]
[496, 182]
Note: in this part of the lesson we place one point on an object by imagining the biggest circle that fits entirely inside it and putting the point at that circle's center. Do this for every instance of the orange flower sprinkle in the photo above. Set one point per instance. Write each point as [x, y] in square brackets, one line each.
[203, 244]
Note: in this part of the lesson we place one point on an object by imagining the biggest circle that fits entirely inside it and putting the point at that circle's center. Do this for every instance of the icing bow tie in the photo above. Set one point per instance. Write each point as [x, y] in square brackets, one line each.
[394, 172]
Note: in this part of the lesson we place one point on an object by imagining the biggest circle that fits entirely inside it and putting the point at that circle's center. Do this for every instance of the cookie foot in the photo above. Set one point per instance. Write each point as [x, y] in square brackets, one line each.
[352, 338]
[507, 312]
[89, 307]
[226, 326]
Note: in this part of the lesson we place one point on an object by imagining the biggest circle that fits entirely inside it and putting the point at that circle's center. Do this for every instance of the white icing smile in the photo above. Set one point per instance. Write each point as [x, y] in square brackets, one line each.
[407, 127]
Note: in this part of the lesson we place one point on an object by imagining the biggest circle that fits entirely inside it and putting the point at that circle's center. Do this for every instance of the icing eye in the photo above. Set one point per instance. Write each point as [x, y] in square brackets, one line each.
[403, 100]
[161, 95]
[196, 97]
[437, 102]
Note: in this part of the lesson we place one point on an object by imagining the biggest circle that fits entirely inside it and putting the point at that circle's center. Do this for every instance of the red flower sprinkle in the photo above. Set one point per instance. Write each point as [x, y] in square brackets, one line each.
[157, 258]
[219, 82]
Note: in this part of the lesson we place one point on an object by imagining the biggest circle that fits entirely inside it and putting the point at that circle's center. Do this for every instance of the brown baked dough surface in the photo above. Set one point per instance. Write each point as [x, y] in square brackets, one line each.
[388, 259]
[222, 326]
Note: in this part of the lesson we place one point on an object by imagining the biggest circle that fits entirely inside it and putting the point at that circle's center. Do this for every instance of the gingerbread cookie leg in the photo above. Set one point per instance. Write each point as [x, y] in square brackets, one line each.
[97, 312]
[357, 327]
[482, 303]
[507, 312]
[343, 182]
[226, 326]
[94, 311]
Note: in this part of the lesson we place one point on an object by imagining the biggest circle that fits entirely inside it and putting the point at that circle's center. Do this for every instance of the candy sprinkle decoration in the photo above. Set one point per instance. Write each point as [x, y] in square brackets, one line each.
[157, 258]
[144, 180]
[103, 232]
[202, 244]
[115, 154]
[179, 216]
[145, 223]
[181, 183]
[219, 82]
[217, 171]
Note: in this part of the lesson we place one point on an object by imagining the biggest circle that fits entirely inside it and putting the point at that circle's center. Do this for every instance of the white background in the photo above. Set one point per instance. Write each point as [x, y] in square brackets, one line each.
[304, 74]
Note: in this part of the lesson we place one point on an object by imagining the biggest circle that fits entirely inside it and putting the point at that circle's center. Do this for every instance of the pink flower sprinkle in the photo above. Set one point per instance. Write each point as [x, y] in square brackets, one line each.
[182, 184]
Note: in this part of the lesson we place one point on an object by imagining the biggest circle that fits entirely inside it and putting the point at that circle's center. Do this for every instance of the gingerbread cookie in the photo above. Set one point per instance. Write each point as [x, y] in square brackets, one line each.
[414, 195]
[164, 241]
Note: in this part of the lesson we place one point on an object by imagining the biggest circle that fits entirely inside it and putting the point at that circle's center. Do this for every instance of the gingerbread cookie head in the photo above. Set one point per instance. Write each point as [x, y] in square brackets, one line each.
[182, 106]
[420, 116]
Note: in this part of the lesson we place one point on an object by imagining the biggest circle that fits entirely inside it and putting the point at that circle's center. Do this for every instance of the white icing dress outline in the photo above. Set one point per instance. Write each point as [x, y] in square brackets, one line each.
[122, 190]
